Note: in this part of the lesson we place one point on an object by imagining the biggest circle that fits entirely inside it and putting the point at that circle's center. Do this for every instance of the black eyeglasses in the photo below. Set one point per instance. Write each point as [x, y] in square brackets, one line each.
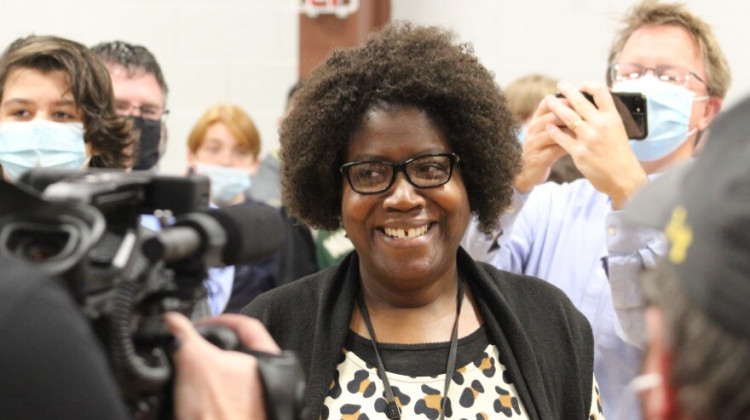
[426, 171]
[670, 74]
[151, 112]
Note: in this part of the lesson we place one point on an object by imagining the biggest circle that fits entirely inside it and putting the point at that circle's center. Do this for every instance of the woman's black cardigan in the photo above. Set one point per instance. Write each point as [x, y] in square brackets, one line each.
[544, 341]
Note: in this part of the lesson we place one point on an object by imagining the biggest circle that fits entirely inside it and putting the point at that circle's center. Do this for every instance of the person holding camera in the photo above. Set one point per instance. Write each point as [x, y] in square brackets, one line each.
[400, 141]
[55, 368]
[57, 109]
[574, 235]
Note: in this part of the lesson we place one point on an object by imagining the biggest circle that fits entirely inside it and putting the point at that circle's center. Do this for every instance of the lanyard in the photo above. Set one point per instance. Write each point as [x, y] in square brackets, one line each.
[393, 412]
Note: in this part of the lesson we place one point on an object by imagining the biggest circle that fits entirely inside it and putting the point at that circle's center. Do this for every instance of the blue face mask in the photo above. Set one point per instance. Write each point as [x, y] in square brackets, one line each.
[40, 143]
[226, 182]
[668, 111]
[522, 133]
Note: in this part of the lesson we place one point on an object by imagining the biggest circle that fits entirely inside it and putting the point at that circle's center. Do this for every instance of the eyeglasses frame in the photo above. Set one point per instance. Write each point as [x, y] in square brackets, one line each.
[453, 158]
[690, 74]
[163, 113]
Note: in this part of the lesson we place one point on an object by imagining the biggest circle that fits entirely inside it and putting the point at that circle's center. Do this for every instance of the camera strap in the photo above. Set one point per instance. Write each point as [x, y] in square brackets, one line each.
[393, 411]
[281, 374]
[283, 384]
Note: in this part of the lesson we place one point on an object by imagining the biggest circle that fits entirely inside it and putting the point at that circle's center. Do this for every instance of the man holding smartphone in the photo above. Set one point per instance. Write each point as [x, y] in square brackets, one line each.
[574, 235]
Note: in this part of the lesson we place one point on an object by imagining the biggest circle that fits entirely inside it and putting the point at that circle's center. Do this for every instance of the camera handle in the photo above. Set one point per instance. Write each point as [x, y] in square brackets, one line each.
[282, 375]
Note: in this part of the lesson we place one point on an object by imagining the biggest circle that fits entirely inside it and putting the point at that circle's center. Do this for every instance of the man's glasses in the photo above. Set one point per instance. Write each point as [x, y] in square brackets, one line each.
[151, 112]
[670, 74]
[373, 177]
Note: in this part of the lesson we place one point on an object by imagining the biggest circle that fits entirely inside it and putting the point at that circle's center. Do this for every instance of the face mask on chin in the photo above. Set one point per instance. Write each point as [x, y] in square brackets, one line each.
[148, 143]
[40, 143]
[668, 112]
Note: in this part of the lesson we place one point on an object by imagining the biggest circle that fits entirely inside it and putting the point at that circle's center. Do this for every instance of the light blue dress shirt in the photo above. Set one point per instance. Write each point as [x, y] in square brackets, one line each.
[569, 236]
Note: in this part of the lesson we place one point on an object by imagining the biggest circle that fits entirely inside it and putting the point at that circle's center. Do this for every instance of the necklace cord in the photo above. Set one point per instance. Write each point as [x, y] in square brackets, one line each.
[393, 411]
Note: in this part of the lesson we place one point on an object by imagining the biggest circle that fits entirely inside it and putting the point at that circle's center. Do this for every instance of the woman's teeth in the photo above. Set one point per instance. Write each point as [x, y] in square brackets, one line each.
[405, 233]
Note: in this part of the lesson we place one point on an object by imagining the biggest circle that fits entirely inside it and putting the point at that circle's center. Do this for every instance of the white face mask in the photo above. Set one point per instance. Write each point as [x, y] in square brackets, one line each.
[226, 182]
[668, 112]
[40, 143]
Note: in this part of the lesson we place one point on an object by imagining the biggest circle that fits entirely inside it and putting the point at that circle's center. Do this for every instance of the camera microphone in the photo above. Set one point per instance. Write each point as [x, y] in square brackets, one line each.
[254, 232]
[233, 235]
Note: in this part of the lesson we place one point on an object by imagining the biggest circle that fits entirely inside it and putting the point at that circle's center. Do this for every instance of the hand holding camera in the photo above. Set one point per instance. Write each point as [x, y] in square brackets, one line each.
[594, 135]
[211, 382]
[83, 228]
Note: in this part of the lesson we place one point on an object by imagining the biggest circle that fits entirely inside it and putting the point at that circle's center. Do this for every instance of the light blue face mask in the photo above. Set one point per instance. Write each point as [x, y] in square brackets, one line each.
[522, 133]
[40, 143]
[668, 113]
[226, 182]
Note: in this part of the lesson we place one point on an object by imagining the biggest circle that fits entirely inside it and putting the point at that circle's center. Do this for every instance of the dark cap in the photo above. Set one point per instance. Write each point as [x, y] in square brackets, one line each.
[704, 209]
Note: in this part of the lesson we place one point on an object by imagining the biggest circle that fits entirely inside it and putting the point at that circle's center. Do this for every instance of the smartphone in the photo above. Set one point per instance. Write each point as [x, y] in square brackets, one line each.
[632, 109]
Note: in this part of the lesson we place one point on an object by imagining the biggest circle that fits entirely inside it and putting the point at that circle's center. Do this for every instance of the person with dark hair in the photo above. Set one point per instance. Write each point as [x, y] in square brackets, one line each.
[400, 141]
[57, 109]
[698, 298]
[141, 94]
[573, 235]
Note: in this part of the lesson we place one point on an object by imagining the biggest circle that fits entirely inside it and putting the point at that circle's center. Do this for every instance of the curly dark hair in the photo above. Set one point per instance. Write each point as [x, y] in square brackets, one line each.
[401, 65]
[110, 136]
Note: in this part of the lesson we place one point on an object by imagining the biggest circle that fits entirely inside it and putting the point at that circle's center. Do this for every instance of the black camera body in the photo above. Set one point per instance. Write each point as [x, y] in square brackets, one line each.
[85, 228]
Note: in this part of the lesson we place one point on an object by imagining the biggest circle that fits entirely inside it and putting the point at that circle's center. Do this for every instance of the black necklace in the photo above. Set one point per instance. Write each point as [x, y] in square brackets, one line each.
[393, 412]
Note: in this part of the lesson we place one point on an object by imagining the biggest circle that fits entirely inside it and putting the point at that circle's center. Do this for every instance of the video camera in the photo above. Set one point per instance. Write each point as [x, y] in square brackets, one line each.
[86, 229]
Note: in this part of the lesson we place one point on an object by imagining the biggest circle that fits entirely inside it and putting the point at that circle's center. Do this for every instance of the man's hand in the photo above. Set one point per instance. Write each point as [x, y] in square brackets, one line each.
[596, 140]
[540, 151]
[211, 383]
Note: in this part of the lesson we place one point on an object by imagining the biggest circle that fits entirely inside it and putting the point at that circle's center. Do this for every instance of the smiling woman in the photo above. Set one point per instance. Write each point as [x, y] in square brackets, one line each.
[401, 141]
[57, 109]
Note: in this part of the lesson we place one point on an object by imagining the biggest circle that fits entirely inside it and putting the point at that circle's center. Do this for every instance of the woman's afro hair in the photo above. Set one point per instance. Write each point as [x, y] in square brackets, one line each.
[401, 65]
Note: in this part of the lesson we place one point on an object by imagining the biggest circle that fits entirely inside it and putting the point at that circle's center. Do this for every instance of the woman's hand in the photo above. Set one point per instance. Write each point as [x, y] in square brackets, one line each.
[211, 383]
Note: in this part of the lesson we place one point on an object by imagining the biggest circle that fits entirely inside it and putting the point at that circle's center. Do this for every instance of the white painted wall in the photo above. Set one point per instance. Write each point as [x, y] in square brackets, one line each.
[567, 39]
[245, 51]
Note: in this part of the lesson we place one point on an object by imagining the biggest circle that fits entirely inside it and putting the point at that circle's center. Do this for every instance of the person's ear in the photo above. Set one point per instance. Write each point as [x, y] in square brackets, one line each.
[713, 106]
[90, 151]
[658, 402]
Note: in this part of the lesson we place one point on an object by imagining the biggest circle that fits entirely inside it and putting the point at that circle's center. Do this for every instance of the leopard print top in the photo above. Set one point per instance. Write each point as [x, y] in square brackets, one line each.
[481, 387]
